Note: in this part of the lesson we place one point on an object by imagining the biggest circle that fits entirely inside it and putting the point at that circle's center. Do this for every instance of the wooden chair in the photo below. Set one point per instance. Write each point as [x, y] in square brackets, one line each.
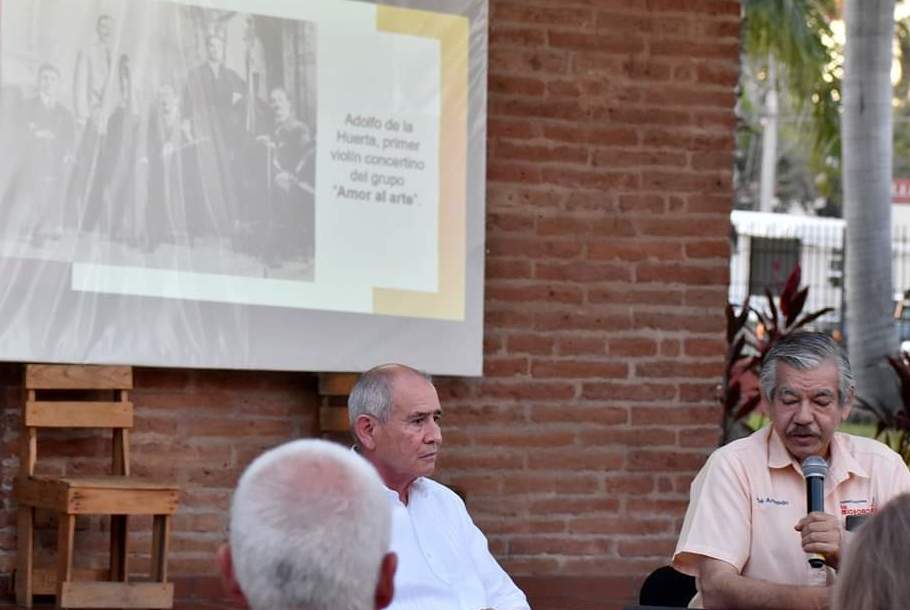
[118, 495]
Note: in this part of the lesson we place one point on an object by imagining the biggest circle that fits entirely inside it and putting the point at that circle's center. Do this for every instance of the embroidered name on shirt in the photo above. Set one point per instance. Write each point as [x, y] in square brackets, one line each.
[774, 501]
[849, 507]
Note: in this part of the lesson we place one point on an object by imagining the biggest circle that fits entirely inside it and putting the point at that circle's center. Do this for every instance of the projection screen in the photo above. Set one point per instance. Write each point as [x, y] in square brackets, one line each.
[250, 184]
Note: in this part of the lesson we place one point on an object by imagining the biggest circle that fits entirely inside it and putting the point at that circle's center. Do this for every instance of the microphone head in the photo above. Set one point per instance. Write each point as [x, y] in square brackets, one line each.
[815, 466]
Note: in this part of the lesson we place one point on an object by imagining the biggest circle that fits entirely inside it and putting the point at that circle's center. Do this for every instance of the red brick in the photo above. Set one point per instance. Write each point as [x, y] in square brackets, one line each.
[544, 483]
[522, 61]
[517, 85]
[578, 369]
[554, 414]
[574, 459]
[601, 136]
[632, 347]
[635, 250]
[647, 547]
[532, 248]
[621, 44]
[574, 505]
[505, 367]
[719, 248]
[629, 484]
[530, 344]
[619, 525]
[677, 415]
[646, 437]
[542, 153]
[682, 274]
[675, 322]
[582, 272]
[674, 368]
[516, 36]
[664, 460]
[638, 391]
[700, 437]
[581, 346]
[550, 545]
[550, 321]
[633, 295]
[520, 12]
[536, 293]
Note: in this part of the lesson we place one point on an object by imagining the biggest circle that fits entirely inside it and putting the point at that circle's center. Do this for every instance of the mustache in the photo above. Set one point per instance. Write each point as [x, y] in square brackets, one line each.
[800, 430]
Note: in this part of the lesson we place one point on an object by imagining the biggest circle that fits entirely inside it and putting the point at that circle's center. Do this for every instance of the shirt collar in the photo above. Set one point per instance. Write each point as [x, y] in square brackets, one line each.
[842, 463]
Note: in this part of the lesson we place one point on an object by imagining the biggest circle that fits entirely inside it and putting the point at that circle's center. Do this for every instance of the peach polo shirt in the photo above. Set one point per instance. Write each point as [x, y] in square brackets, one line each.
[750, 493]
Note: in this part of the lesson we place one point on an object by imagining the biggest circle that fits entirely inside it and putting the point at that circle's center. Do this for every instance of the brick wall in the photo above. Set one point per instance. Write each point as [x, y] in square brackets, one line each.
[609, 187]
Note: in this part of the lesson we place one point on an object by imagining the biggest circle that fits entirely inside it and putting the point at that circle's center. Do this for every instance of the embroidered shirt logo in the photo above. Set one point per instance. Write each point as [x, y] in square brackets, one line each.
[773, 501]
[856, 507]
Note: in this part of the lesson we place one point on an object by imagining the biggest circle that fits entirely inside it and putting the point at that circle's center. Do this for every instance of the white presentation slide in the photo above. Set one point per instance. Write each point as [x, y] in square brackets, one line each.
[266, 184]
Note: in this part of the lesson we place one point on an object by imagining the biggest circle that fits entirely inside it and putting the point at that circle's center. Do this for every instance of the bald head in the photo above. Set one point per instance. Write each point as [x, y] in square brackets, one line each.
[310, 526]
[374, 391]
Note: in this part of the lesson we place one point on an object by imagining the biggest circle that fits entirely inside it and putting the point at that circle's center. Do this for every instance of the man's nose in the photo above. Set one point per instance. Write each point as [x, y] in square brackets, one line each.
[804, 413]
[434, 433]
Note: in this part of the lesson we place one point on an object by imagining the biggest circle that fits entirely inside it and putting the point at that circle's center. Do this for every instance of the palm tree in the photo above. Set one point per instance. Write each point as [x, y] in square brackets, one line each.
[784, 43]
[867, 161]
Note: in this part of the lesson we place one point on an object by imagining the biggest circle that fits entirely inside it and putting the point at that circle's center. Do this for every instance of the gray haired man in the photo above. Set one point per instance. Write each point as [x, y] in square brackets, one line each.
[309, 531]
[444, 562]
[746, 535]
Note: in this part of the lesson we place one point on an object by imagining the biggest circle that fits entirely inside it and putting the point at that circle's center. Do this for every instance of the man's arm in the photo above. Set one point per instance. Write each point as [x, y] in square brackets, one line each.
[721, 586]
[502, 593]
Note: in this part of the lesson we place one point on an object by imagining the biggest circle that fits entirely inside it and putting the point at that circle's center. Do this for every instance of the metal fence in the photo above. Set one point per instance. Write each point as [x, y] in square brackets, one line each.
[767, 246]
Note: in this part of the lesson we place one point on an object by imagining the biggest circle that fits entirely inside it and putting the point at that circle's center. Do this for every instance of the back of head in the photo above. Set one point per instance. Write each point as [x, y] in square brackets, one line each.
[310, 524]
[874, 572]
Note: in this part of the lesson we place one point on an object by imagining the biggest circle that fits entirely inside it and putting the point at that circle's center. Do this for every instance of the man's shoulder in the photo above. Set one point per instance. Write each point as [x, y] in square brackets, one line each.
[441, 493]
[865, 448]
[748, 449]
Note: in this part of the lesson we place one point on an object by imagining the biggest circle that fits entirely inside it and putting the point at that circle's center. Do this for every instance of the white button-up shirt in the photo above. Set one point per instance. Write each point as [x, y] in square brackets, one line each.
[443, 559]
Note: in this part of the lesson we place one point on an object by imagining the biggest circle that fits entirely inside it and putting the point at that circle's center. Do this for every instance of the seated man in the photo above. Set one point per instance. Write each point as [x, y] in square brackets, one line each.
[746, 534]
[443, 559]
[309, 531]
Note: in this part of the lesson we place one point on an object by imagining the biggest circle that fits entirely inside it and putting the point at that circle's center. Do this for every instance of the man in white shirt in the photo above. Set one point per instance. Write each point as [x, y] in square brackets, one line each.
[309, 531]
[443, 559]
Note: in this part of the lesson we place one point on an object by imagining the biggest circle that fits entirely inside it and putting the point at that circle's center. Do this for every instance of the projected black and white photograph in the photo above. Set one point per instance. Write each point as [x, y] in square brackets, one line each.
[158, 135]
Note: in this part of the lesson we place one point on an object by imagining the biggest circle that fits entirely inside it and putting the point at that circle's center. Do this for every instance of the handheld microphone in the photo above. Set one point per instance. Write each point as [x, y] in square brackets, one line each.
[815, 468]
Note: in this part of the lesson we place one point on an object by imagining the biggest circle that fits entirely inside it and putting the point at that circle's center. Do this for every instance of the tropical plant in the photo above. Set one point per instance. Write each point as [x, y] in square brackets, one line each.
[789, 70]
[747, 343]
[893, 425]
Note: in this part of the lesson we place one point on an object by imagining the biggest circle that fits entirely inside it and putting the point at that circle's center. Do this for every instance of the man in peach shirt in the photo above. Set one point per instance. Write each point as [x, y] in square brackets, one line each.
[746, 536]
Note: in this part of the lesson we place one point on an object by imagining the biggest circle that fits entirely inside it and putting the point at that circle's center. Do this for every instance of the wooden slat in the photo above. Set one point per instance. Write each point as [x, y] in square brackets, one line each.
[115, 483]
[119, 548]
[25, 556]
[40, 493]
[122, 502]
[29, 457]
[161, 533]
[333, 419]
[117, 595]
[66, 529]
[78, 414]
[78, 377]
[45, 579]
[336, 384]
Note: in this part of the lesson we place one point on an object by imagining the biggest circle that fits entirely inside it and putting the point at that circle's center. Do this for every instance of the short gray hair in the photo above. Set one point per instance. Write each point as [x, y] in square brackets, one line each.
[310, 525]
[805, 350]
[372, 394]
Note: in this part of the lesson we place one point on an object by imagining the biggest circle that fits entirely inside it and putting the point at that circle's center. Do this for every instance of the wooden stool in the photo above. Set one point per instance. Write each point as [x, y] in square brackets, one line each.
[118, 495]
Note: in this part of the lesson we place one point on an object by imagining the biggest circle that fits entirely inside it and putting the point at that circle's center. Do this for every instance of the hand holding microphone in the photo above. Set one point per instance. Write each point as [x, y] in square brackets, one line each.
[821, 532]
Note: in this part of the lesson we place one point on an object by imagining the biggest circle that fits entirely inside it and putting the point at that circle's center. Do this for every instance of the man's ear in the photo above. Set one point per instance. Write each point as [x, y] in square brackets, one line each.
[365, 431]
[228, 580]
[848, 405]
[385, 588]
